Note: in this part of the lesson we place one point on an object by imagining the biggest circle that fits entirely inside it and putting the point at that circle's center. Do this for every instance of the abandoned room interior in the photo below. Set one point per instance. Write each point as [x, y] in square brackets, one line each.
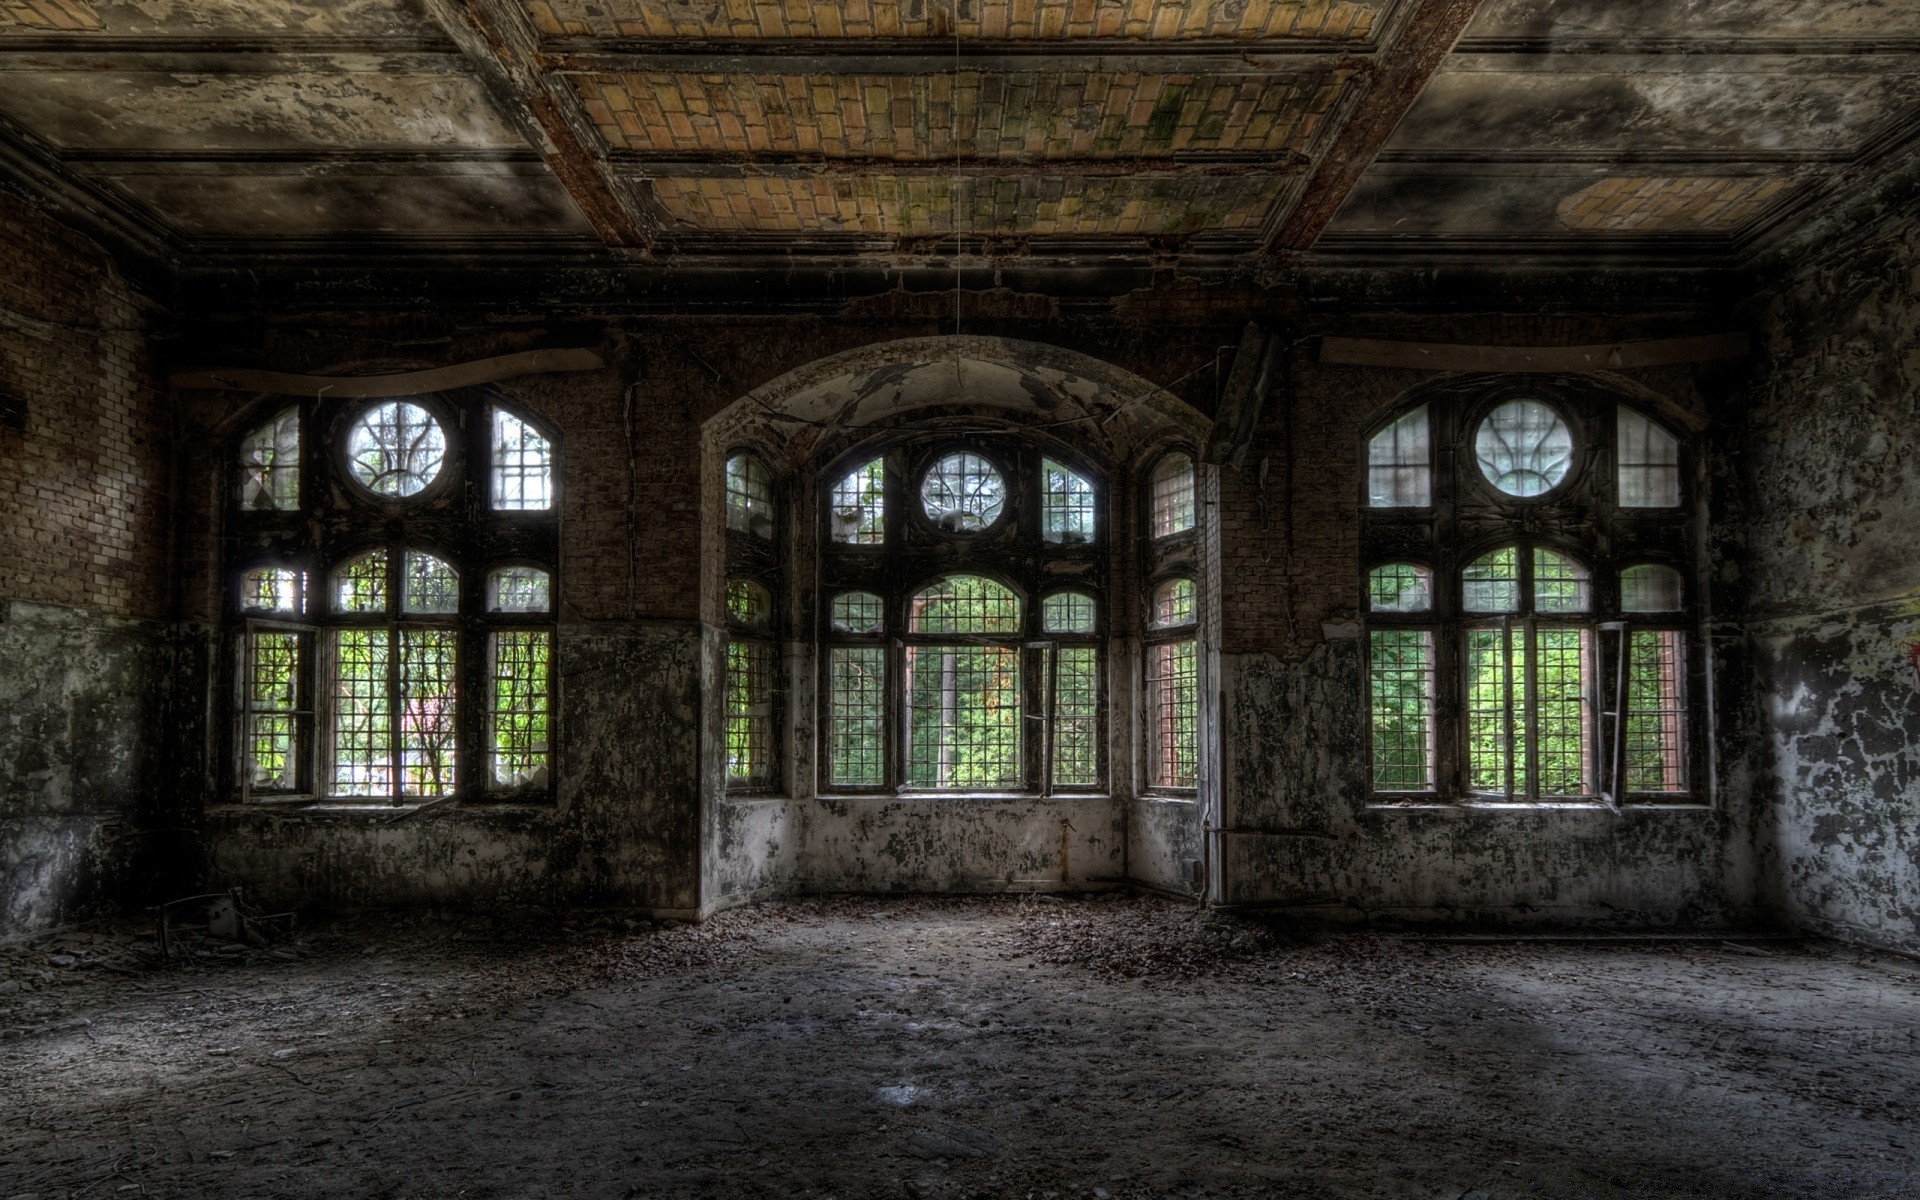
[959, 598]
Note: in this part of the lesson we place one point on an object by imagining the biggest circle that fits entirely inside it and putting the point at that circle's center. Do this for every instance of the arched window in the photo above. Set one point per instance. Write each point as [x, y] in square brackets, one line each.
[383, 652]
[1572, 674]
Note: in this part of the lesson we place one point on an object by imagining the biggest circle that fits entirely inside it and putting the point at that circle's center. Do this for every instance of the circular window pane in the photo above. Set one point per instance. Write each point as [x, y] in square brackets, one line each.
[1524, 448]
[396, 449]
[963, 493]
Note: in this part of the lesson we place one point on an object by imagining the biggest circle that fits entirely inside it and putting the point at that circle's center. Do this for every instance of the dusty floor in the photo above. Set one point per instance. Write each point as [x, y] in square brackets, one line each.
[1095, 1048]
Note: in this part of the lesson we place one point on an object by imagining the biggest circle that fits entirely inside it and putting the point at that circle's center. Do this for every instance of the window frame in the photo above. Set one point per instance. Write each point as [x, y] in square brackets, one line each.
[760, 560]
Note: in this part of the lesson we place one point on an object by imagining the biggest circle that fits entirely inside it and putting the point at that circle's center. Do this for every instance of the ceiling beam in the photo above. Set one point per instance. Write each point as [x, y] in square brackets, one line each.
[786, 166]
[1400, 74]
[806, 58]
[498, 40]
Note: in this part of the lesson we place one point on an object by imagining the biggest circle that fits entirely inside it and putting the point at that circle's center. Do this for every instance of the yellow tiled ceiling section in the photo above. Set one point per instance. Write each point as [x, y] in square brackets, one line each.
[1009, 20]
[50, 14]
[1029, 114]
[1014, 205]
[1639, 204]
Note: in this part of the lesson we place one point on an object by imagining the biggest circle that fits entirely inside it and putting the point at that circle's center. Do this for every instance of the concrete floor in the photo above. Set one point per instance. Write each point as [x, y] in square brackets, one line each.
[852, 1048]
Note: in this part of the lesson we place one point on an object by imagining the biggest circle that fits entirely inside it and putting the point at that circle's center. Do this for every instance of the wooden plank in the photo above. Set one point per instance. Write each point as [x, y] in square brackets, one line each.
[380, 387]
[1616, 356]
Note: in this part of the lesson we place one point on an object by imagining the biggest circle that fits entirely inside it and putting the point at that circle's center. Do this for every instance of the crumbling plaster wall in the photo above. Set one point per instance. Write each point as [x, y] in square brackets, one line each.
[1822, 546]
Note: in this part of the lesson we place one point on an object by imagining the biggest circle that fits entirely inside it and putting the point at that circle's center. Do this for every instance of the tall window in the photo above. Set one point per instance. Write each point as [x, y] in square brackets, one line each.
[1172, 668]
[392, 604]
[1568, 659]
[754, 580]
[952, 660]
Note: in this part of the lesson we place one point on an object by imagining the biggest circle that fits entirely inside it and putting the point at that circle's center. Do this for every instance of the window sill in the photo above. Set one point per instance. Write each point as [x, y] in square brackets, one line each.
[985, 797]
[1434, 804]
[379, 810]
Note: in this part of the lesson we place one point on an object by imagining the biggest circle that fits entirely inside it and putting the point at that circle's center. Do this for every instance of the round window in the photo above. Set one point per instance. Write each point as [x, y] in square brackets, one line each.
[963, 493]
[1524, 448]
[396, 449]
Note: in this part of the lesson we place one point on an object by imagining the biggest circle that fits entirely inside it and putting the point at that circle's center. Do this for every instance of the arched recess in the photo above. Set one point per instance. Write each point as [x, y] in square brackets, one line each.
[824, 414]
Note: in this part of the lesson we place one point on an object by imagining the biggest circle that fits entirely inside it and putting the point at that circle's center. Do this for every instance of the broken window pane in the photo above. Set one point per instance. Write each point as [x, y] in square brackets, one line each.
[964, 604]
[432, 586]
[522, 465]
[749, 604]
[1649, 587]
[1076, 713]
[1170, 496]
[519, 590]
[1173, 700]
[1649, 463]
[1066, 505]
[1400, 463]
[1173, 604]
[856, 715]
[518, 753]
[749, 711]
[963, 493]
[1400, 666]
[1560, 585]
[1400, 588]
[963, 716]
[857, 612]
[1491, 583]
[270, 464]
[1068, 612]
[1656, 732]
[749, 496]
[269, 710]
[396, 449]
[272, 590]
[1524, 448]
[360, 584]
[859, 506]
[426, 711]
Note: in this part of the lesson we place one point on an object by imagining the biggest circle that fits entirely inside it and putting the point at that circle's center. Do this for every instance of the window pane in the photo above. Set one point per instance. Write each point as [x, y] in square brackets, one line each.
[272, 590]
[1400, 464]
[270, 464]
[431, 585]
[396, 449]
[427, 712]
[1066, 505]
[362, 727]
[270, 694]
[1495, 673]
[963, 716]
[1560, 709]
[749, 496]
[1650, 587]
[1560, 585]
[1170, 497]
[749, 712]
[1076, 713]
[1649, 462]
[964, 604]
[519, 590]
[1173, 604]
[856, 715]
[1491, 583]
[859, 506]
[1524, 448]
[1173, 699]
[1656, 734]
[749, 604]
[1068, 612]
[518, 751]
[522, 465]
[963, 493]
[360, 584]
[1401, 669]
[1400, 588]
[856, 612]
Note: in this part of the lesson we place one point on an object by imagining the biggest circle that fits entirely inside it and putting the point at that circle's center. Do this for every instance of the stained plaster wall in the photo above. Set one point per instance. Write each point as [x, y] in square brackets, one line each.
[1822, 546]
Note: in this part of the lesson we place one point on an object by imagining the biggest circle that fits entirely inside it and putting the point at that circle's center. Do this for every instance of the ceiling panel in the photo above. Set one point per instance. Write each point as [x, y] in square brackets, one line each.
[305, 207]
[215, 18]
[1632, 19]
[1408, 201]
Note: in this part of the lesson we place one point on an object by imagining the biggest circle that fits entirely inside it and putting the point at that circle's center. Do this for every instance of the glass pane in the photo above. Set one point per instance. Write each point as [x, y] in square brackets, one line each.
[360, 584]
[963, 716]
[1565, 747]
[1649, 462]
[749, 496]
[522, 465]
[426, 714]
[519, 590]
[964, 604]
[362, 733]
[856, 612]
[272, 590]
[1076, 717]
[1068, 612]
[749, 712]
[517, 740]
[1524, 448]
[1173, 604]
[1399, 588]
[859, 506]
[1656, 734]
[1173, 698]
[749, 604]
[1650, 587]
[432, 586]
[1066, 505]
[270, 698]
[1400, 665]
[1491, 583]
[270, 464]
[1170, 496]
[1560, 585]
[856, 715]
[963, 493]
[1495, 674]
[395, 449]
[1400, 464]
